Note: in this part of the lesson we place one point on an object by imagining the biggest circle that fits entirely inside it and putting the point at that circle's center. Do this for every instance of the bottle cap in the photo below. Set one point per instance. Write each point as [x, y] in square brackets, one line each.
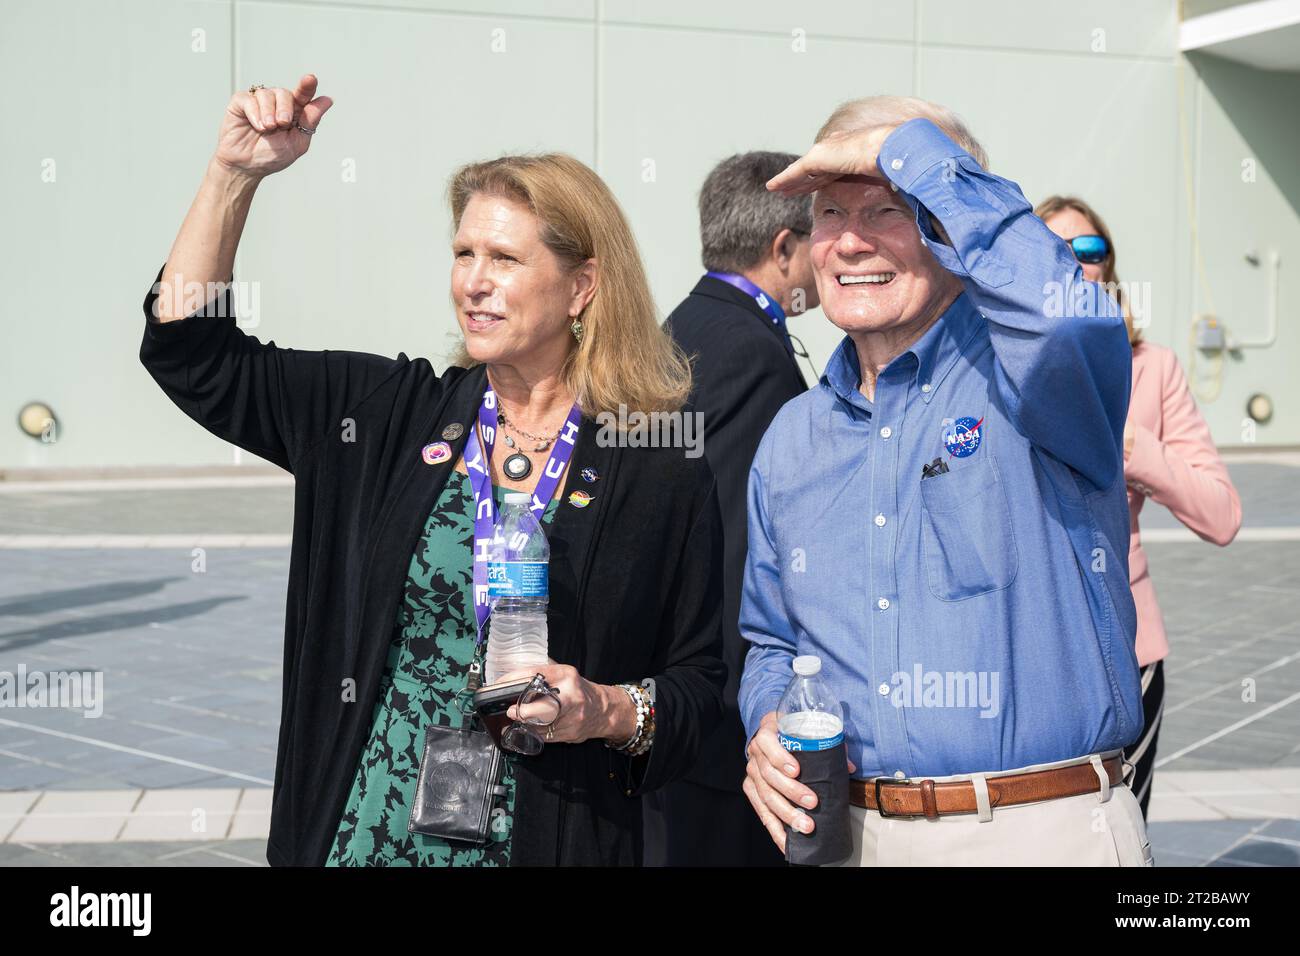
[807, 665]
[518, 498]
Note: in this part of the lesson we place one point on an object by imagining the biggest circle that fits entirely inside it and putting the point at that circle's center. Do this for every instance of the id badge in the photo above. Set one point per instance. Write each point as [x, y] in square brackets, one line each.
[457, 785]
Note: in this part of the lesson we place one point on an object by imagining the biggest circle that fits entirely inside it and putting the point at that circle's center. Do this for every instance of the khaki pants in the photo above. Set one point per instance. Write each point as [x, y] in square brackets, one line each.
[1092, 829]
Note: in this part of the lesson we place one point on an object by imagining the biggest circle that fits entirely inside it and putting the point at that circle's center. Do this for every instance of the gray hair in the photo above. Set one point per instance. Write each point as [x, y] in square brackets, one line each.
[739, 218]
[895, 110]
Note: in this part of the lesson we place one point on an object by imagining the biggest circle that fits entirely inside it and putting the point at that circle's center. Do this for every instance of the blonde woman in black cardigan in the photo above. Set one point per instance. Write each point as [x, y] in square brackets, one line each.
[557, 318]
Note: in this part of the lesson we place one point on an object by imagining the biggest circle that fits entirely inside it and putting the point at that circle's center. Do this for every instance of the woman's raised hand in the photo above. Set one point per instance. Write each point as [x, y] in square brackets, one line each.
[260, 135]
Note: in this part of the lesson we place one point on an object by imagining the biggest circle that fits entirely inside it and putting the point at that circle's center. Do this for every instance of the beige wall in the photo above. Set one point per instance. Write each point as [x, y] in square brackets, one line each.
[349, 247]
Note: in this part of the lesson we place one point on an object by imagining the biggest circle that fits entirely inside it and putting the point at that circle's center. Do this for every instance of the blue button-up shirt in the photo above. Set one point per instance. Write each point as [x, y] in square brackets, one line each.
[978, 620]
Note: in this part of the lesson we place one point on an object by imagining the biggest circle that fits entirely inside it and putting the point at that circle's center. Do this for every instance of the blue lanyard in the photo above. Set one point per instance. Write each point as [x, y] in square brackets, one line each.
[765, 301]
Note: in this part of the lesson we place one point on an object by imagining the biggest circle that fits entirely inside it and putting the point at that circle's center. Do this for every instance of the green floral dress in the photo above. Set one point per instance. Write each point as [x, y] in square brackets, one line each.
[427, 665]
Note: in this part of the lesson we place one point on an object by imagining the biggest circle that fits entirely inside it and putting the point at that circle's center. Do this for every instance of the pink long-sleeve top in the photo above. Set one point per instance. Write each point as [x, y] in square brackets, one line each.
[1174, 463]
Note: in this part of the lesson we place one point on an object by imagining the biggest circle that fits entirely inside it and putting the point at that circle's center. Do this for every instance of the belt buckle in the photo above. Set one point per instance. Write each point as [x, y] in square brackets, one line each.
[880, 804]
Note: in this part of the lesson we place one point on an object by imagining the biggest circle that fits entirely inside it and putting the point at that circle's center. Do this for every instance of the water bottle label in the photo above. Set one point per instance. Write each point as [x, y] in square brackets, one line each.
[526, 579]
[794, 744]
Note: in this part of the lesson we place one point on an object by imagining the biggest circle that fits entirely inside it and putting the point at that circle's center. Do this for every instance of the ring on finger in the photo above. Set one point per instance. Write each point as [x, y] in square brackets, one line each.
[304, 129]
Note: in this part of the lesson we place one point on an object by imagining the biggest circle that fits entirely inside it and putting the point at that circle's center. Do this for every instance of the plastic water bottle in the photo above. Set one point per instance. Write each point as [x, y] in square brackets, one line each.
[810, 725]
[518, 562]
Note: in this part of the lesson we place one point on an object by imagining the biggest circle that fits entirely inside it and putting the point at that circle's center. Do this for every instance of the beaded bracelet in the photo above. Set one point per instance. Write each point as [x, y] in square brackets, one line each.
[642, 739]
[646, 722]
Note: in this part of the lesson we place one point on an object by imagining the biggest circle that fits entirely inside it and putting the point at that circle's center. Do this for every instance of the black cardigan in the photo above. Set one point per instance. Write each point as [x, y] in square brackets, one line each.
[636, 577]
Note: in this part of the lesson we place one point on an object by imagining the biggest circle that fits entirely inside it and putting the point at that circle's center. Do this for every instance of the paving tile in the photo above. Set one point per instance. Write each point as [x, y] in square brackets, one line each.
[13, 807]
[175, 814]
[1259, 806]
[1283, 829]
[1176, 807]
[17, 801]
[163, 776]
[253, 818]
[32, 777]
[91, 782]
[1171, 858]
[84, 816]
[1232, 863]
[115, 853]
[244, 853]
[1256, 852]
[1202, 839]
[17, 854]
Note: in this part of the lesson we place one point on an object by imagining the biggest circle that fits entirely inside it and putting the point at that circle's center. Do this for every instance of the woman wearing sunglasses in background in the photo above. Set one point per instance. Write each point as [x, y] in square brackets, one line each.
[1169, 457]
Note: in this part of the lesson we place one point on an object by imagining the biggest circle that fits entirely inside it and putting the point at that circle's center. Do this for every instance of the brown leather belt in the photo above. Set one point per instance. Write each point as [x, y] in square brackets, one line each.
[892, 797]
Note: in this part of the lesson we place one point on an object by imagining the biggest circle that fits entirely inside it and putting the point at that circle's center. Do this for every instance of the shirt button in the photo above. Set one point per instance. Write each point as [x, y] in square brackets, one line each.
[886, 432]
[883, 604]
[884, 690]
[898, 774]
[880, 521]
[925, 387]
[896, 164]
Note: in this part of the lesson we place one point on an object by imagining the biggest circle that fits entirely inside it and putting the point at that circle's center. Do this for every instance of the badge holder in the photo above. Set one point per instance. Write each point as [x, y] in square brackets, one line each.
[458, 783]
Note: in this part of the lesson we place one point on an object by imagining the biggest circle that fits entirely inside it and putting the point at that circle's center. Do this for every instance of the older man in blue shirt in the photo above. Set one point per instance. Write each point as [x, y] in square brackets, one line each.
[943, 519]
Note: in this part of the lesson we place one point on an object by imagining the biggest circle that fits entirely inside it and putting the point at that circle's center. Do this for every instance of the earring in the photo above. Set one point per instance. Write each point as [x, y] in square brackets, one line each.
[577, 330]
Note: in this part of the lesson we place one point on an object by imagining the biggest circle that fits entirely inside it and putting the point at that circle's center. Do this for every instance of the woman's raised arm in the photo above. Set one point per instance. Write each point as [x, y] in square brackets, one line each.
[276, 402]
[261, 133]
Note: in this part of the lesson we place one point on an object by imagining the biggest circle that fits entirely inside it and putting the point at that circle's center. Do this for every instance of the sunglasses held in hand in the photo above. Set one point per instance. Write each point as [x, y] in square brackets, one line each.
[523, 736]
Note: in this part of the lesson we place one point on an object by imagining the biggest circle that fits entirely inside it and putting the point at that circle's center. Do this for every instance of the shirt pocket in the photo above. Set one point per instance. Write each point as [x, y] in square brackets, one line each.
[967, 543]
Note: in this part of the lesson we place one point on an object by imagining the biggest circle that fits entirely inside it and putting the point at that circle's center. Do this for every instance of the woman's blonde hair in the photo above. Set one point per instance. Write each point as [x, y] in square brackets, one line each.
[1051, 206]
[625, 358]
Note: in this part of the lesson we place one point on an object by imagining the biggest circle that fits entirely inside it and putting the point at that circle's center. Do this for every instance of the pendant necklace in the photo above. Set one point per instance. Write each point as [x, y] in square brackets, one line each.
[518, 466]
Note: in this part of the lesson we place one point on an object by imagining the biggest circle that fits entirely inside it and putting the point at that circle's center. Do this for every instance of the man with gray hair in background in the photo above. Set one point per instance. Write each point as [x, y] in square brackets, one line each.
[733, 325]
[943, 518]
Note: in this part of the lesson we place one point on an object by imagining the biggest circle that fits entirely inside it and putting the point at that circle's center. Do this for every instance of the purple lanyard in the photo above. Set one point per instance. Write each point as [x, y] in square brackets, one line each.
[765, 301]
[477, 461]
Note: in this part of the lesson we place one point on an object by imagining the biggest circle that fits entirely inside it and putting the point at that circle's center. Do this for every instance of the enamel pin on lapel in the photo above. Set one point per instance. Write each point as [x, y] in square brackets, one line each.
[580, 499]
[436, 453]
[453, 431]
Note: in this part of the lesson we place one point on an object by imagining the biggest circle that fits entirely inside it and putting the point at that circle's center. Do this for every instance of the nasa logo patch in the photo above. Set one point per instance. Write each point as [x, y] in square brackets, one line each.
[962, 437]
